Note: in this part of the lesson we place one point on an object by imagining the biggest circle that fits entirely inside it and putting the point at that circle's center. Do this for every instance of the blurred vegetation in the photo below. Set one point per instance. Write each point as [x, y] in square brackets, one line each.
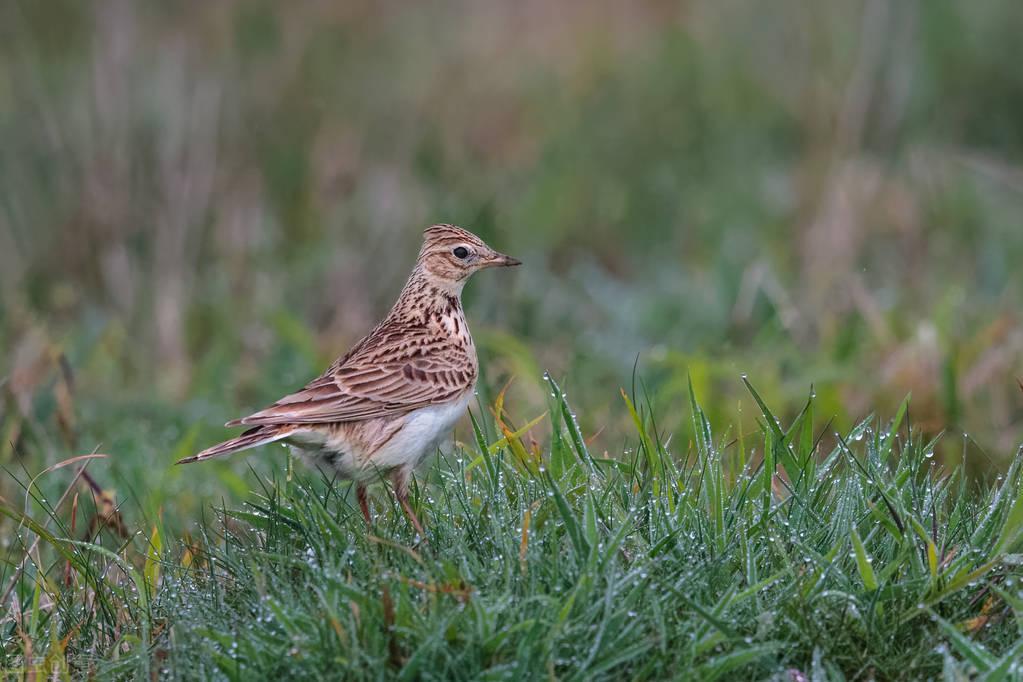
[201, 205]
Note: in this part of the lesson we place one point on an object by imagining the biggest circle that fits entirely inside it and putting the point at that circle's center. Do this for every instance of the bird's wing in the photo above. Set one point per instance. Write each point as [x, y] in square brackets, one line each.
[389, 373]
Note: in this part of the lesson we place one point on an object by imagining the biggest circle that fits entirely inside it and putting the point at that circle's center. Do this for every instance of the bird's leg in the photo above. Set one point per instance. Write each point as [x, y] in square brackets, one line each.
[360, 492]
[400, 478]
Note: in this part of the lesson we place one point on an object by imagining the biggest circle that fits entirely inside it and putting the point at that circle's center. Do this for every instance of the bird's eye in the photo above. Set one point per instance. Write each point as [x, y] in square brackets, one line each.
[461, 252]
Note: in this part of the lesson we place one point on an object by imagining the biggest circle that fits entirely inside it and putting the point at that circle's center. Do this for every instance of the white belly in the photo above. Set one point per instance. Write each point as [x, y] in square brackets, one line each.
[348, 454]
[423, 431]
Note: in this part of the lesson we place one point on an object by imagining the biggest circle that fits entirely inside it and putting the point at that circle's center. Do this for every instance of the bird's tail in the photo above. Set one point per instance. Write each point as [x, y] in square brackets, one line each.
[259, 435]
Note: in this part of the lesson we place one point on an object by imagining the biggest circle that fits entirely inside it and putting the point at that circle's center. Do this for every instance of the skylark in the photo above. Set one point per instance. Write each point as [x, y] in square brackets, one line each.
[392, 398]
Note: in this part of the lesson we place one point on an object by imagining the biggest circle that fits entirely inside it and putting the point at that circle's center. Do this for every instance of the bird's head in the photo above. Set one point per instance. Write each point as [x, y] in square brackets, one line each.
[450, 255]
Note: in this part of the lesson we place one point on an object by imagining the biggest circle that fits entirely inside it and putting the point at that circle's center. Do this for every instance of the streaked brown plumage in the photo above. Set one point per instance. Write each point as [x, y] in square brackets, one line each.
[389, 401]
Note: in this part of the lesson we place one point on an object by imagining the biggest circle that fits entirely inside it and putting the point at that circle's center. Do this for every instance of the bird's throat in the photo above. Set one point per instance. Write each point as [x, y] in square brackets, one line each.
[425, 297]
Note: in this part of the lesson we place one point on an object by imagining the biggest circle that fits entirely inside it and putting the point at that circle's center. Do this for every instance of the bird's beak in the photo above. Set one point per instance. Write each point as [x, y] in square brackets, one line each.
[500, 260]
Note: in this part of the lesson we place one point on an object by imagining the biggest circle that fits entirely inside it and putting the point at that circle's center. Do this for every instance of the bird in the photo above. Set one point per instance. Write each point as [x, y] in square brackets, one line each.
[389, 402]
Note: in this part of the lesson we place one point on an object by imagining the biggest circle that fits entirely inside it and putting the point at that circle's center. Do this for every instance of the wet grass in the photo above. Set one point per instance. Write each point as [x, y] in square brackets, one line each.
[783, 552]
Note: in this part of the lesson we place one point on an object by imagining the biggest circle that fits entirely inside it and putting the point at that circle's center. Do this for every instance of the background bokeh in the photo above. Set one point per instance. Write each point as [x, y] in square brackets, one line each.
[201, 204]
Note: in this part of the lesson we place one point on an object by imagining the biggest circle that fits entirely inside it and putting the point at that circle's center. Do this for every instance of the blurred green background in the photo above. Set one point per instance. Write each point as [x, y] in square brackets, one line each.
[201, 204]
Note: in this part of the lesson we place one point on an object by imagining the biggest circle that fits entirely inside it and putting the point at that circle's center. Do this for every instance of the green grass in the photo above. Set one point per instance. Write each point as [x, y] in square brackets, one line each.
[734, 555]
